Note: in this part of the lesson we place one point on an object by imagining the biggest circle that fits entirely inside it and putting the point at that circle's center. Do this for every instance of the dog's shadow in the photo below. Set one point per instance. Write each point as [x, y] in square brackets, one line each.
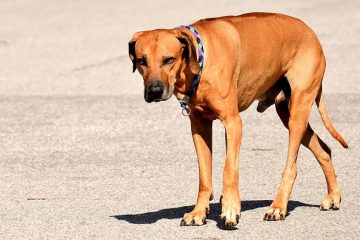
[178, 212]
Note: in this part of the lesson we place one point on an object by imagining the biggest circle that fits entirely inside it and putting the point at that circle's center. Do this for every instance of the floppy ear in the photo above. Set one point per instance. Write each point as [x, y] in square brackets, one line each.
[132, 53]
[189, 52]
[132, 48]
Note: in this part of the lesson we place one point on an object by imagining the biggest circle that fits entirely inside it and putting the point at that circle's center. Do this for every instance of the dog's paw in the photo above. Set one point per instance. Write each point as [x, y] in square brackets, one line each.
[230, 212]
[275, 214]
[331, 202]
[194, 218]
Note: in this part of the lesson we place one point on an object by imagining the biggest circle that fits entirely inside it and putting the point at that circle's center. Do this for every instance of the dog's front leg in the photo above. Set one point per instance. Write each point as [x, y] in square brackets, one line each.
[230, 199]
[201, 129]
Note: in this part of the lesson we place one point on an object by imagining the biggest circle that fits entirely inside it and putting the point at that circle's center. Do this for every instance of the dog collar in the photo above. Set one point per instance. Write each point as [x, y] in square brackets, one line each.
[184, 102]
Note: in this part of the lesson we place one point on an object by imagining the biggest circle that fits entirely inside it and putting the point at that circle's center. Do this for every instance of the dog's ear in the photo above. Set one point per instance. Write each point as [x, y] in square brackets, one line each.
[132, 43]
[189, 52]
[132, 53]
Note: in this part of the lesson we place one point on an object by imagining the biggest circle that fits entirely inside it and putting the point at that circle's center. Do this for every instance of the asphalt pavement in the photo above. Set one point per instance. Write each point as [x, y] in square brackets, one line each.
[82, 156]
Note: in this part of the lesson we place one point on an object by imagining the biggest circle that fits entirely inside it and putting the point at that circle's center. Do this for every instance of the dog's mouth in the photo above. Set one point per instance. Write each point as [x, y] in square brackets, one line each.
[155, 100]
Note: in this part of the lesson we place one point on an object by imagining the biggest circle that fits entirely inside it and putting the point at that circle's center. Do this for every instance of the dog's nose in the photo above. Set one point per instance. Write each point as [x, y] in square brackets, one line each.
[154, 91]
[156, 88]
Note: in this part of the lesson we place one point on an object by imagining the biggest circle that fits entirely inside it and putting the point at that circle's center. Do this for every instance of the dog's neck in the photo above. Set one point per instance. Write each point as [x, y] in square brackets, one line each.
[183, 82]
[185, 77]
[187, 81]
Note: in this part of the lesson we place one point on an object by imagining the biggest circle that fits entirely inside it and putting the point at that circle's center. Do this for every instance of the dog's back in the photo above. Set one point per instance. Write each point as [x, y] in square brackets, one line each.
[264, 46]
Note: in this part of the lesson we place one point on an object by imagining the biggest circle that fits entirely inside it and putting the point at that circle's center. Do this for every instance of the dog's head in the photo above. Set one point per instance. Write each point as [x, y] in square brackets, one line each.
[161, 57]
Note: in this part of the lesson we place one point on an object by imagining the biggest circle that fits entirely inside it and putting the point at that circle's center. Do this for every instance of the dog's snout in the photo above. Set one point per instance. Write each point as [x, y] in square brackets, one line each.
[154, 91]
[156, 88]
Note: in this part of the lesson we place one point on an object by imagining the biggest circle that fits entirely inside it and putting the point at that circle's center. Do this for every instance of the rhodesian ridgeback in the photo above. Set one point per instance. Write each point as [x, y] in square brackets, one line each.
[217, 68]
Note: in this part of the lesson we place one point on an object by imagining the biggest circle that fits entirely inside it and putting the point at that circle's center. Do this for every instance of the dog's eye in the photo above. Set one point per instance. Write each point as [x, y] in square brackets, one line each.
[141, 61]
[169, 60]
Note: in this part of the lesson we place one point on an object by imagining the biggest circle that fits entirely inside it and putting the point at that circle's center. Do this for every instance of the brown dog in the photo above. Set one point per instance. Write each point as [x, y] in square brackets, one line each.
[270, 57]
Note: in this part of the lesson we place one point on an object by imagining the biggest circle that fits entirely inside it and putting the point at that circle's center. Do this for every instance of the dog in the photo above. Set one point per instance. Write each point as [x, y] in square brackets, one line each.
[217, 68]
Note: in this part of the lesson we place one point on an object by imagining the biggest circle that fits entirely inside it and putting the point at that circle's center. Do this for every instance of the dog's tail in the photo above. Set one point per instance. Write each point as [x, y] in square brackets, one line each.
[325, 118]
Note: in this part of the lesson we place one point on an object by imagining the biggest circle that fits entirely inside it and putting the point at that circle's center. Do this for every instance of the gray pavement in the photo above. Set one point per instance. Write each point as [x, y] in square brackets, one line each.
[82, 156]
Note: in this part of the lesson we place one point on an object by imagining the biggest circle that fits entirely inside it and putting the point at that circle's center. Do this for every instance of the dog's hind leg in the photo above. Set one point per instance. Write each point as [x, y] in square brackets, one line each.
[301, 100]
[323, 155]
[202, 136]
[297, 123]
[304, 77]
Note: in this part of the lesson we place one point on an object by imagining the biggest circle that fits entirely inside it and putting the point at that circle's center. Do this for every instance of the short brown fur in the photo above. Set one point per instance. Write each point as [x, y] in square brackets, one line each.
[245, 57]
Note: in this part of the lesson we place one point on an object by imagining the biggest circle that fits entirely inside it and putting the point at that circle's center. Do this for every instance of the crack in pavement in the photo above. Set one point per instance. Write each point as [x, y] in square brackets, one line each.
[4, 42]
[97, 64]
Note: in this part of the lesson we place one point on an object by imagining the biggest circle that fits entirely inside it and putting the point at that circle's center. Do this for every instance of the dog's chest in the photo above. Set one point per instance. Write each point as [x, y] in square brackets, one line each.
[205, 111]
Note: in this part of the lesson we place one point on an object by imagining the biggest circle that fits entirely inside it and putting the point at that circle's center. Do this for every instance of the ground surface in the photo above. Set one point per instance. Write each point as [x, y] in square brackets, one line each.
[82, 156]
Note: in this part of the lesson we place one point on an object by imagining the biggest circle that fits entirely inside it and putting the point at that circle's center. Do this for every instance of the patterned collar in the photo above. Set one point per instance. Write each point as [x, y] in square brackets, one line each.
[184, 102]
